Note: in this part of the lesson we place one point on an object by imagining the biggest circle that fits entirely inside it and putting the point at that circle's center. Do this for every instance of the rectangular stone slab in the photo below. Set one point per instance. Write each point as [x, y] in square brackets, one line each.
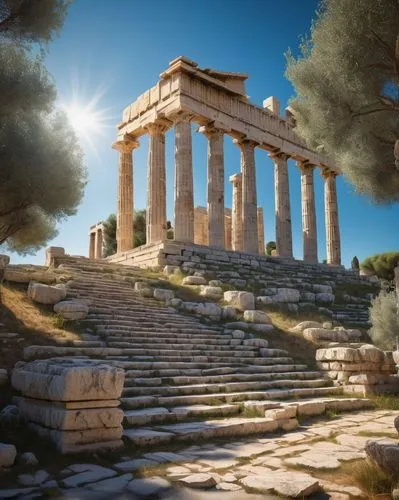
[67, 441]
[68, 379]
[45, 413]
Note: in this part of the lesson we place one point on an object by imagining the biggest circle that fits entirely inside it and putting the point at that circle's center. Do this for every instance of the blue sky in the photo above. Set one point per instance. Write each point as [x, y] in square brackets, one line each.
[117, 48]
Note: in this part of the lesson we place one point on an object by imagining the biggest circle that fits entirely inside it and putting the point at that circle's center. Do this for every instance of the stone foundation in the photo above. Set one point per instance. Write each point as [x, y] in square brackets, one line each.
[72, 402]
[362, 369]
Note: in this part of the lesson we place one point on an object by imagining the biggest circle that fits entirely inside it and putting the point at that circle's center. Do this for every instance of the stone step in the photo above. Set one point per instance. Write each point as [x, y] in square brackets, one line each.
[157, 415]
[196, 389]
[133, 381]
[170, 338]
[211, 372]
[165, 347]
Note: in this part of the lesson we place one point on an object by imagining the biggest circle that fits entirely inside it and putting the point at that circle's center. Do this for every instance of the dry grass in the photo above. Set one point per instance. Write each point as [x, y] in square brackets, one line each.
[35, 324]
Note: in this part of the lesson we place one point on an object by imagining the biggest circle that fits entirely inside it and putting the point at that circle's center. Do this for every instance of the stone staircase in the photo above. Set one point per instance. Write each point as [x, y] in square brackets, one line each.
[185, 379]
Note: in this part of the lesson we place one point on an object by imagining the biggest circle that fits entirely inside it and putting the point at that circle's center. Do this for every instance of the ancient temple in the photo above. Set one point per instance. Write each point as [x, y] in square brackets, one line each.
[217, 102]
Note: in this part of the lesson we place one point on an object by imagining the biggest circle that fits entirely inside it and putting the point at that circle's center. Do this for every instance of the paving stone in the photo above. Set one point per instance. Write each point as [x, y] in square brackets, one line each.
[135, 464]
[218, 464]
[35, 479]
[148, 486]
[289, 484]
[113, 484]
[289, 450]
[164, 457]
[223, 486]
[93, 473]
[353, 491]
[200, 480]
[8, 452]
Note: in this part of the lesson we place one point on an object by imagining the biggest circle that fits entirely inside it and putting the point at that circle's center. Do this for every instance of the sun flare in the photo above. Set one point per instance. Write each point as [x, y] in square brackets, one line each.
[82, 119]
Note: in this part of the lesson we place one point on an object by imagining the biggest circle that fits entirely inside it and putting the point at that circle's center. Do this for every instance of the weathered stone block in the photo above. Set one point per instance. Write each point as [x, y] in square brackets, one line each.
[163, 294]
[8, 453]
[72, 309]
[240, 300]
[56, 417]
[68, 379]
[211, 292]
[256, 317]
[46, 294]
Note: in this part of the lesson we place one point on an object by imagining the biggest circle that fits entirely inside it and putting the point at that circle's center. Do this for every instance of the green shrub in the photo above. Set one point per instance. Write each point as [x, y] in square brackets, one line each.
[382, 265]
[384, 320]
[59, 321]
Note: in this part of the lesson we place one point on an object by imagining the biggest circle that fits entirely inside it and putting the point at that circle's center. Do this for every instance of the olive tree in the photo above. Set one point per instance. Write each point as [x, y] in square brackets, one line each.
[346, 80]
[42, 176]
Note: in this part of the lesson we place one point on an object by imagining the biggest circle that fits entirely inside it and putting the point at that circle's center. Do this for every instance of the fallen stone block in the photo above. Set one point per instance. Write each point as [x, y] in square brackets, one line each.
[163, 294]
[199, 480]
[256, 317]
[72, 310]
[241, 300]
[211, 292]
[46, 294]
[385, 453]
[8, 452]
[194, 280]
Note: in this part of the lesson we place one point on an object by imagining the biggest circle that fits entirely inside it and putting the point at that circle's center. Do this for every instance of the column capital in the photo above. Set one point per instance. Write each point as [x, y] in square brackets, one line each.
[279, 155]
[236, 178]
[245, 142]
[327, 173]
[126, 144]
[159, 127]
[305, 166]
[210, 130]
[184, 117]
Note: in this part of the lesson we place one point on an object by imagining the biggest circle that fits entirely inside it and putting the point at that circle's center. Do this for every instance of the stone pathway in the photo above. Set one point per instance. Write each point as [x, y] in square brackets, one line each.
[307, 462]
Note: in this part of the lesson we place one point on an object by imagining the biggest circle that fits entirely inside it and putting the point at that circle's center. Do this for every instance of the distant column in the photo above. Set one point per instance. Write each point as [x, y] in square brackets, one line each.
[282, 205]
[249, 203]
[184, 194]
[261, 232]
[333, 239]
[236, 212]
[309, 228]
[156, 183]
[215, 186]
[227, 229]
[124, 221]
[92, 245]
[99, 244]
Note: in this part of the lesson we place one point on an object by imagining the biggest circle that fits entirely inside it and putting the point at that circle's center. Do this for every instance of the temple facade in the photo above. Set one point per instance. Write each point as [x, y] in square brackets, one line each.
[217, 103]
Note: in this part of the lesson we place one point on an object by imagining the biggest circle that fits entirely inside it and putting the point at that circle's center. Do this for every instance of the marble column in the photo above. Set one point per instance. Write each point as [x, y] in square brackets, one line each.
[309, 228]
[261, 232]
[236, 212]
[215, 186]
[99, 244]
[156, 183]
[124, 219]
[92, 246]
[227, 229]
[333, 239]
[249, 202]
[282, 205]
[184, 192]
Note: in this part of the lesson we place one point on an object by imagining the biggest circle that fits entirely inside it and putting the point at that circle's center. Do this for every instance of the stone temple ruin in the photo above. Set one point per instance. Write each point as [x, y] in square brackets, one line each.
[188, 351]
[217, 102]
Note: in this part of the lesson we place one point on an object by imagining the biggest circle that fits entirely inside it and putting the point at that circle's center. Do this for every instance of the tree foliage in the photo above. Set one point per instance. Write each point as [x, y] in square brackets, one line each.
[139, 232]
[31, 21]
[384, 320]
[382, 265]
[270, 246]
[42, 176]
[347, 91]
[355, 265]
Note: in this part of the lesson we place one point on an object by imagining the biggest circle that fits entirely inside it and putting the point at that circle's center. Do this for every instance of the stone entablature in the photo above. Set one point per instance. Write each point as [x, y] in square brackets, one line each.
[217, 102]
[184, 86]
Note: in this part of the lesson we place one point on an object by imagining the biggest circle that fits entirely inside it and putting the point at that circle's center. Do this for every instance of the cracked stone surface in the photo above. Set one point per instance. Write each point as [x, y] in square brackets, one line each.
[292, 465]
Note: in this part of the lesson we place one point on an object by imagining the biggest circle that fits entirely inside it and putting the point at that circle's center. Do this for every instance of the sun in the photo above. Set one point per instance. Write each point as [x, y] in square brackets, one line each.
[89, 121]
[83, 120]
